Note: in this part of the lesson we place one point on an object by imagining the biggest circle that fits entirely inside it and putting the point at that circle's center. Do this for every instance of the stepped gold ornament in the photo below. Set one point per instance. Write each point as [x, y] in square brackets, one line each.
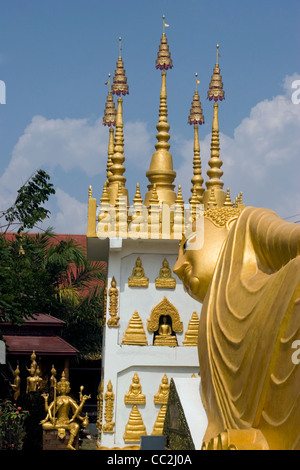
[247, 274]
[191, 334]
[135, 427]
[160, 421]
[135, 333]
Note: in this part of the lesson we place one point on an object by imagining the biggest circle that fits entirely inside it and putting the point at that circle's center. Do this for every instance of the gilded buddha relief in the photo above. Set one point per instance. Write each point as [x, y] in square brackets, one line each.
[165, 279]
[165, 322]
[138, 278]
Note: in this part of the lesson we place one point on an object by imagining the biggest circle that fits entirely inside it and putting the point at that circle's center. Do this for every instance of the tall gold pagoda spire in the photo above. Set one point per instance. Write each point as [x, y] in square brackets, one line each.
[109, 119]
[215, 93]
[161, 171]
[196, 118]
[116, 178]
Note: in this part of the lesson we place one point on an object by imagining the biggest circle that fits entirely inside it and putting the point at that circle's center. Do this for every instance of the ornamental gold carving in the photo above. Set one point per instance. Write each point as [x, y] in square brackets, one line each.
[135, 427]
[135, 396]
[164, 308]
[135, 333]
[109, 398]
[191, 334]
[165, 279]
[113, 294]
[138, 278]
[161, 397]
[160, 421]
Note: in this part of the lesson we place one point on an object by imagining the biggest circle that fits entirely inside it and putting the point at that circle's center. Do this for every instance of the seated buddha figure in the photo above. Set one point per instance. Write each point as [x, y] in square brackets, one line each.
[165, 279]
[135, 396]
[138, 278]
[164, 336]
[247, 275]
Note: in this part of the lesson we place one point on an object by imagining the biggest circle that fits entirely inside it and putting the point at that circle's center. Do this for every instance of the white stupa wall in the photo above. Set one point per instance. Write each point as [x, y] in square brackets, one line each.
[121, 362]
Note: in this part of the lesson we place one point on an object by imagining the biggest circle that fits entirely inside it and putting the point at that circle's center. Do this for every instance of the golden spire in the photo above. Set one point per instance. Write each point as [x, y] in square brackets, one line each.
[109, 119]
[215, 93]
[196, 117]
[161, 170]
[117, 168]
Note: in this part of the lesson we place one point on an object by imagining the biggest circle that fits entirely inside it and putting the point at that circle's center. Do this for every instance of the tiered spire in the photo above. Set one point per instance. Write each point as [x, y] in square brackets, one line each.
[116, 178]
[196, 117]
[161, 170]
[109, 119]
[215, 93]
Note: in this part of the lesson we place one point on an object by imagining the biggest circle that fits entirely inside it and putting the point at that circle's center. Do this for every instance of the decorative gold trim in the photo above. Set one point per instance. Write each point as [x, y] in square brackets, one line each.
[165, 279]
[134, 396]
[138, 278]
[113, 294]
[135, 333]
[165, 307]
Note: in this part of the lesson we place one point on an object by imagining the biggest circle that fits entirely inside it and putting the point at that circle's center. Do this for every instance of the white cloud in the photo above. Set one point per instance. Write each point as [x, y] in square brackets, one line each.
[70, 215]
[262, 159]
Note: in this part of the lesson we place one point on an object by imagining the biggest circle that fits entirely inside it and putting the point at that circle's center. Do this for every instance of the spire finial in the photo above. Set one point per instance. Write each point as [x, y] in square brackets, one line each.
[164, 24]
[120, 46]
[197, 81]
[218, 55]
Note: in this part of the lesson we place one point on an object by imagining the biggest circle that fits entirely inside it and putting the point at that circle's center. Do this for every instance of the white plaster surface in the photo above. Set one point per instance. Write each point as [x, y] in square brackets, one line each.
[120, 362]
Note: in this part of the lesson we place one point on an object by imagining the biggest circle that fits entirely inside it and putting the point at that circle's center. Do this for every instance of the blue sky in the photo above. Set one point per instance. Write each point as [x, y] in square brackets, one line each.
[55, 58]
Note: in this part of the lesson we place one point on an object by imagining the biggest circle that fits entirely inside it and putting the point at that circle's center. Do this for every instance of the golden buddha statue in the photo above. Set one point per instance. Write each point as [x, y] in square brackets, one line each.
[33, 381]
[164, 337]
[165, 279]
[58, 413]
[247, 274]
[161, 397]
[138, 278]
[135, 396]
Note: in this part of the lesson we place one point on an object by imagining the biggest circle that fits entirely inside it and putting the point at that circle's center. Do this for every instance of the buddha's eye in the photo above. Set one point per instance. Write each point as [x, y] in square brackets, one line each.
[188, 241]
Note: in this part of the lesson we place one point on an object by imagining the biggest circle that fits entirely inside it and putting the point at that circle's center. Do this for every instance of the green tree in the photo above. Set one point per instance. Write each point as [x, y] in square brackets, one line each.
[28, 210]
[39, 274]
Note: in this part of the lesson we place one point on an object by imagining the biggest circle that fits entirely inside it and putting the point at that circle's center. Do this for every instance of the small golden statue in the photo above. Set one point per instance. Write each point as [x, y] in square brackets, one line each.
[58, 413]
[34, 380]
[165, 279]
[113, 294]
[138, 278]
[135, 396]
[161, 397]
[17, 383]
[165, 336]
[109, 398]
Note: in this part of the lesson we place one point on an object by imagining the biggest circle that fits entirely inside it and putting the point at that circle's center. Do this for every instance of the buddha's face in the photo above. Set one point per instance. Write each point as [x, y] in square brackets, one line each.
[196, 261]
